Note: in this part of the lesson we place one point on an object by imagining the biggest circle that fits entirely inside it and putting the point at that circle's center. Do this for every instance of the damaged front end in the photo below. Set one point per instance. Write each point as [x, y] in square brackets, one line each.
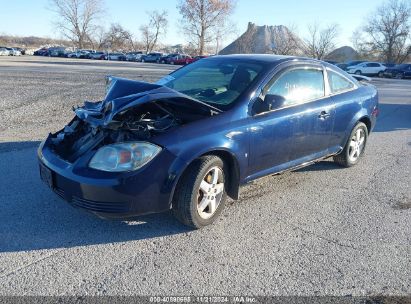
[131, 111]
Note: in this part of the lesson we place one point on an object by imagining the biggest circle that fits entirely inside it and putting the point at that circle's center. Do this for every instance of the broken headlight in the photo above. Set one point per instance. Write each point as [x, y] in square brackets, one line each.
[124, 156]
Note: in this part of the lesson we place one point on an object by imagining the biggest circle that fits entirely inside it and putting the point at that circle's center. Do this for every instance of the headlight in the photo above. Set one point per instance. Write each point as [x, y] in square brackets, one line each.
[124, 157]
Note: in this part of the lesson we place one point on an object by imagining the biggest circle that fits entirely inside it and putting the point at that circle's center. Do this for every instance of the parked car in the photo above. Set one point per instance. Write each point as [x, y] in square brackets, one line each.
[80, 54]
[77, 54]
[13, 52]
[345, 65]
[180, 59]
[116, 56]
[21, 50]
[152, 57]
[4, 52]
[389, 65]
[134, 56]
[367, 68]
[164, 58]
[191, 139]
[85, 54]
[72, 55]
[199, 57]
[41, 52]
[399, 71]
[57, 52]
[98, 55]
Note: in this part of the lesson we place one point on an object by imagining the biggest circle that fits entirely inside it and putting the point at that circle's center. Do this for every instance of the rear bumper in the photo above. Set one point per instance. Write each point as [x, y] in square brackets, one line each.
[111, 195]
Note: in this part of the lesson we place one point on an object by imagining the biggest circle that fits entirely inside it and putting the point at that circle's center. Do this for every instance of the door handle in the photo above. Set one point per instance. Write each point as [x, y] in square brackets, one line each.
[324, 115]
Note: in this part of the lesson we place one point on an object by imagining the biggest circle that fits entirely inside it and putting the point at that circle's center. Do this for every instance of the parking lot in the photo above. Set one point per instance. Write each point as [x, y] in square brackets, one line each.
[321, 230]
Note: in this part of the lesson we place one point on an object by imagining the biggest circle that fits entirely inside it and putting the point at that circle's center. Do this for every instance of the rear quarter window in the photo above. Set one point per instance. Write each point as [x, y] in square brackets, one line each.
[338, 83]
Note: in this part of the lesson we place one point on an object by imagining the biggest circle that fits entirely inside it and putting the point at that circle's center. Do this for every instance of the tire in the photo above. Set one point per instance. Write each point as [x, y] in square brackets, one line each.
[357, 141]
[399, 76]
[142, 60]
[381, 74]
[172, 62]
[358, 72]
[204, 176]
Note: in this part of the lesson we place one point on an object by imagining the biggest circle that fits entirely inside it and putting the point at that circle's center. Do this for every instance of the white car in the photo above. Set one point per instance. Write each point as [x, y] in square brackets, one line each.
[367, 68]
[13, 52]
[4, 52]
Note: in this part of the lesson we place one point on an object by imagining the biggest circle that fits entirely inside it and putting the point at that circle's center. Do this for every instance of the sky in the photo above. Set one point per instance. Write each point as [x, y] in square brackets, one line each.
[34, 17]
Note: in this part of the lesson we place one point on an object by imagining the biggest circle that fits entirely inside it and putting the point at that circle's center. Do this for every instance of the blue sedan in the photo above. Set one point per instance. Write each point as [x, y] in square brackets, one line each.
[193, 138]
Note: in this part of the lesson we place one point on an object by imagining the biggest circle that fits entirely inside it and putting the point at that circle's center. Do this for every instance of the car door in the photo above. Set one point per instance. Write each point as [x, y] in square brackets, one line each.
[367, 69]
[297, 131]
[376, 68]
[342, 91]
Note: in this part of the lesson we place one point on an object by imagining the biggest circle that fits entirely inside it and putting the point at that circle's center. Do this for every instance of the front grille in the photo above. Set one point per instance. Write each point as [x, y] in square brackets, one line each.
[100, 206]
[108, 207]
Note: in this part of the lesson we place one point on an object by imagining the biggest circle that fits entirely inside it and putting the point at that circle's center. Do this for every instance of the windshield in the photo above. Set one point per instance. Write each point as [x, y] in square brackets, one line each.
[216, 82]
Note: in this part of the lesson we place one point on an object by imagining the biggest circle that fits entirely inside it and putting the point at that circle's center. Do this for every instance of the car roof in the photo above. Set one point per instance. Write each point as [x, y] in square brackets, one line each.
[266, 58]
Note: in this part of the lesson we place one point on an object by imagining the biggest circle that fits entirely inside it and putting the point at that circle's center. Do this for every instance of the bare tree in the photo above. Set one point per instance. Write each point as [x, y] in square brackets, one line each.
[77, 18]
[201, 19]
[320, 41]
[118, 38]
[387, 32]
[220, 34]
[286, 41]
[152, 31]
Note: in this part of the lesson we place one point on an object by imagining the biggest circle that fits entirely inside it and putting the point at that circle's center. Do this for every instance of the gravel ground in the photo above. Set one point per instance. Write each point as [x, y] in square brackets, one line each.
[321, 230]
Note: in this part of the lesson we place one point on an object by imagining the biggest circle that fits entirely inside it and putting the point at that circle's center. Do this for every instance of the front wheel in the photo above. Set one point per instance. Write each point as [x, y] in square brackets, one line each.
[354, 147]
[358, 72]
[200, 194]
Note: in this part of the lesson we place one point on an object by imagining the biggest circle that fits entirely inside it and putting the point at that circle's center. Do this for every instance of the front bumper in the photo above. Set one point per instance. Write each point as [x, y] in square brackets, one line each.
[109, 194]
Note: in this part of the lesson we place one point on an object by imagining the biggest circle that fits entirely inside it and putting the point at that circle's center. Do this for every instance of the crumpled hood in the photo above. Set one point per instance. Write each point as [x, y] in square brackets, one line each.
[123, 94]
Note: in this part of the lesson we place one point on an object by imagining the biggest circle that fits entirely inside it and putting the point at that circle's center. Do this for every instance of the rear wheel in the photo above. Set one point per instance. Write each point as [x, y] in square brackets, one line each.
[358, 72]
[399, 75]
[381, 74]
[200, 194]
[354, 147]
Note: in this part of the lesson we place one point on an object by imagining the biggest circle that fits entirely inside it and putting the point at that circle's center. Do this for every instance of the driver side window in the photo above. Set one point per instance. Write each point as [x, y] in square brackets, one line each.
[298, 86]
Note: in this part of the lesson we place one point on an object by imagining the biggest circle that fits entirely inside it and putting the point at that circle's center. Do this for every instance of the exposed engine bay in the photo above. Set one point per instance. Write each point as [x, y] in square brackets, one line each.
[143, 112]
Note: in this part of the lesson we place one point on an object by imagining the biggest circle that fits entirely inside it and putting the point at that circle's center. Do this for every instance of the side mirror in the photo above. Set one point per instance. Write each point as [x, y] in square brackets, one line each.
[269, 103]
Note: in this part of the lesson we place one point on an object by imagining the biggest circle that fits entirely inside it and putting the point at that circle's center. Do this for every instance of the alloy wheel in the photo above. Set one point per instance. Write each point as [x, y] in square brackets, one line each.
[357, 144]
[210, 193]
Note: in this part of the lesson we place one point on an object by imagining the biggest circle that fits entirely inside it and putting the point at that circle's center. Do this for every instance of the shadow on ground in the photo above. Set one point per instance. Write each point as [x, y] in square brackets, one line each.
[33, 217]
